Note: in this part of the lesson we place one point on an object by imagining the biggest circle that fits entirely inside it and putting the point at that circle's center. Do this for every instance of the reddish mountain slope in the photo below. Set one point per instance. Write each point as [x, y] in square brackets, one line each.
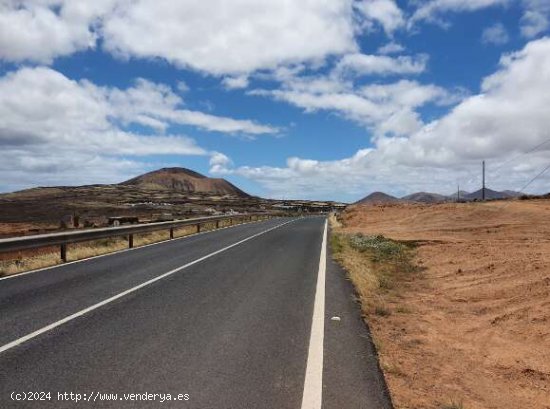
[185, 180]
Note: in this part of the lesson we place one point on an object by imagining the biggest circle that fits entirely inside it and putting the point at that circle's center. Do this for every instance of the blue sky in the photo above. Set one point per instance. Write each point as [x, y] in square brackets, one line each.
[318, 100]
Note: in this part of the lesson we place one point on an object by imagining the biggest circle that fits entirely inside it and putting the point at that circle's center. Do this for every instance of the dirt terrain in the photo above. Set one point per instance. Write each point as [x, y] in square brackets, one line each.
[473, 329]
[164, 193]
[172, 192]
[46, 206]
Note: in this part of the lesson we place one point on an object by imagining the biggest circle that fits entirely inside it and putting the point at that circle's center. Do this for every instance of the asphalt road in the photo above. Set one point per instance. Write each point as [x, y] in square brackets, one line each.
[236, 318]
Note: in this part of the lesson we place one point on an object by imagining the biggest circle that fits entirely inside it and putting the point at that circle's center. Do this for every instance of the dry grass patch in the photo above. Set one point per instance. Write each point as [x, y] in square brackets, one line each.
[377, 266]
[453, 405]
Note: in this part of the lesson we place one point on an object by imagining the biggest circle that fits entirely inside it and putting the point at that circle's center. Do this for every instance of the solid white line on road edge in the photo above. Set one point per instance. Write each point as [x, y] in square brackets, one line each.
[187, 236]
[313, 384]
[56, 324]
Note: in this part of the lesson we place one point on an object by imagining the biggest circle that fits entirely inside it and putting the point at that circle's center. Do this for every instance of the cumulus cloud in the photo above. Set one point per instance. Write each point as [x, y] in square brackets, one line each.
[237, 82]
[508, 117]
[219, 162]
[433, 10]
[50, 124]
[391, 48]
[386, 108]
[384, 12]
[212, 36]
[495, 34]
[41, 30]
[512, 103]
[183, 87]
[536, 18]
[156, 106]
[236, 37]
[534, 21]
[363, 64]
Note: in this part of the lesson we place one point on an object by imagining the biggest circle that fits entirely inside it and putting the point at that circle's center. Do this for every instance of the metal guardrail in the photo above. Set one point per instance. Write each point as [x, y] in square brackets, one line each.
[62, 239]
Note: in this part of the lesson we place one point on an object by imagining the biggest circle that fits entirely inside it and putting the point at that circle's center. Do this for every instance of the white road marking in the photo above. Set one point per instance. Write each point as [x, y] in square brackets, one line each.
[80, 313]
[187, 236]
[313, 384]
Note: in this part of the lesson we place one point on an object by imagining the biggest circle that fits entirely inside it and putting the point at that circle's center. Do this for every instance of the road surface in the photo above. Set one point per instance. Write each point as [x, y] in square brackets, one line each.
[242, 317]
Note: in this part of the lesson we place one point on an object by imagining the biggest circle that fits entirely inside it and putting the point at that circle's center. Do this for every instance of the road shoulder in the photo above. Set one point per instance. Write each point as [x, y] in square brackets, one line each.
[352, 377]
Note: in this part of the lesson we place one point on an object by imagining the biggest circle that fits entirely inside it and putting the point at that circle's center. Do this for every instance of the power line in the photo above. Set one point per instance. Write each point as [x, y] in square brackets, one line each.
[533, 149]
[506, 203]
[521, 155]
[535, 178]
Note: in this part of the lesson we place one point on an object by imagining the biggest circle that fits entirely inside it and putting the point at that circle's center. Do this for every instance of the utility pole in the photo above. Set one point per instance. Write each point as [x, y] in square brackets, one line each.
[483, 187]
[458, 194]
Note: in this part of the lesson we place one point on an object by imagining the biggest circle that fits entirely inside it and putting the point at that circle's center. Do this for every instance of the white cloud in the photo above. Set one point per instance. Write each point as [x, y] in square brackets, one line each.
[41, 30]
[384, 12]
[237, 82]
[156, 106]
[433, 10]
[183, 87]
[387, 108]
[54, 126]
[533, 23]
[219, 162]
[391, 48]
[495, 34]
[213, 36]
[536, 18]
[220, 124]
[236, 37]
[510, 113]
[510, 116]
[363, 64]
[40, 106]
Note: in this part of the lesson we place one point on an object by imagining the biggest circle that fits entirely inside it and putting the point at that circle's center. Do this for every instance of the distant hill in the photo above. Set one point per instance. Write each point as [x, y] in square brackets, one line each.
[463, 194]
[425, 197]
[185, 180]
[512, 193]
[491, 194]
[378, 198]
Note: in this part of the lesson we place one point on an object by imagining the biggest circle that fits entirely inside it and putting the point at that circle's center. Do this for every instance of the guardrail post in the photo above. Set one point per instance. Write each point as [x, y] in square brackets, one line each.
[65, 239]
[64, 252]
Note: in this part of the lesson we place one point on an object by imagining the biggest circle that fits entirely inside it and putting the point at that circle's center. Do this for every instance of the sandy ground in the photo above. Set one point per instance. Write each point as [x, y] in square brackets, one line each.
[474, 327]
